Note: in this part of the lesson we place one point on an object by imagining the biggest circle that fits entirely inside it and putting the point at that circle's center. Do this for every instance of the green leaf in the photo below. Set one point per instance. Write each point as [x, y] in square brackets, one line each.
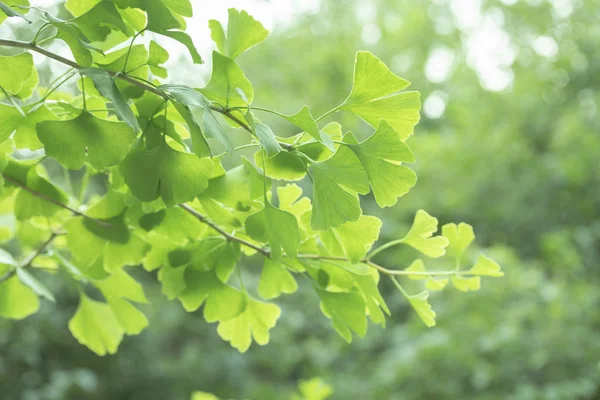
[214, 130]
[314, 389]
[221, 302]
[420, 236]
[175, 176]
[374, 96]
[186, 40]
[471, 284]
[121, 285]
[459, 237]
[158, 55]
[416, 266]
[304, 120]
[267, 139]
[422, 307]
[16, 70]
[37, 286]
[9, 12]
[277, 227]
[243, 32]
[199, 143]
[353, 239]
[436, 284]
[106, 143]
[99, 22]
[253, 323]
[181, 7]
[106, 86]
[275, 279]
[132, 320]
[17, 301]
[95, 326]
[225, 82]
[25, 136]
[346, 311]
[380, 155]
[485, 266]
[28, 205]
[336, 183]
[375, 303]
[76, 40]
[238, 187]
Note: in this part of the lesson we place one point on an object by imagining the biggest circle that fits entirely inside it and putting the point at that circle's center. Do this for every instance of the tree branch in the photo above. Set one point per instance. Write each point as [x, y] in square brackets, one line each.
[267, 253]
[53, 201]
[227, 236]
[29, 260]
[127, 78]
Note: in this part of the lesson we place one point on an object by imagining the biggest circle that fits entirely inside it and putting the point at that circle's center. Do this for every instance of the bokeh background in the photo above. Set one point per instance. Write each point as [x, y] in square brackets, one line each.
[509, 141]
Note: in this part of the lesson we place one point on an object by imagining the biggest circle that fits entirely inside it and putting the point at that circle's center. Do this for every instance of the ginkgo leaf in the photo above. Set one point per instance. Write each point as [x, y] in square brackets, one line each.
[304, 120]
[199, 143]
[243, 32]
[95, 326]
[277, 227]
[221, 301]
[185, 40]
[226, 81]
[420, 236]
[419, 267]
[157, 54]
[485, 266]
[175, 176]
[352, 239]
[421, 305]
[253, 323]
[267, 139]
[375, 303]
[38, 287]
[463, 284]
[346, 311]
[275, 279]
[436, 284]
[380, 155]
[6, 11]
[121, 285]
[214, 130]
[106, 143]
[336, 183]
[375, 96]
[238, 187]
[15, 71]
[28, 205]
[24, 127]
[313, 389]
[132, 320]
[459, 238]
[17, 301]
[105, 84]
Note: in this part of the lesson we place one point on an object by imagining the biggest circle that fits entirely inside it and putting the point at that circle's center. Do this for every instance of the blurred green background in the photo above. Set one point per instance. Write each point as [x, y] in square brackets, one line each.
[509, 142]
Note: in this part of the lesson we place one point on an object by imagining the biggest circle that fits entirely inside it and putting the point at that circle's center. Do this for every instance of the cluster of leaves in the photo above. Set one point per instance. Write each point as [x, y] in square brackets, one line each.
[312, 389]
[162, 200]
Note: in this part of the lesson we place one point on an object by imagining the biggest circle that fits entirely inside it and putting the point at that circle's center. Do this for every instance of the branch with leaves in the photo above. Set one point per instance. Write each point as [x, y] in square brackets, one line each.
[168, 205]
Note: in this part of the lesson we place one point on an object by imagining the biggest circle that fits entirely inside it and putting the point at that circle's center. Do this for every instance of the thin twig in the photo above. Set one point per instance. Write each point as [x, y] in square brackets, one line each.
[53, 201]
[221, 231]
[29, 260]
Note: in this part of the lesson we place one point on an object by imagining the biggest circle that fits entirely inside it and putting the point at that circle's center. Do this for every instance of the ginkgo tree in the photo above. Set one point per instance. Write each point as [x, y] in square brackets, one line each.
[161, 199]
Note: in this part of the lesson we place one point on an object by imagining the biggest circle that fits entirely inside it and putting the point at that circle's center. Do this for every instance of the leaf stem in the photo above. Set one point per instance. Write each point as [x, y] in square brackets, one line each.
[328, 113]
[384, 247]
[129, 50]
